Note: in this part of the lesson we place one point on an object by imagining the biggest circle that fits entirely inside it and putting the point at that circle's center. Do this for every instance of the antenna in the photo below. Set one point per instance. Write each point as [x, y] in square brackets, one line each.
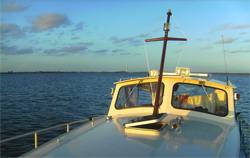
[225, 61]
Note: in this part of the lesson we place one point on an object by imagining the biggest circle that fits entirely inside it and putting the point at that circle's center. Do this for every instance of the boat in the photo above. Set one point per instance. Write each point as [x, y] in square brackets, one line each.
[179, 114]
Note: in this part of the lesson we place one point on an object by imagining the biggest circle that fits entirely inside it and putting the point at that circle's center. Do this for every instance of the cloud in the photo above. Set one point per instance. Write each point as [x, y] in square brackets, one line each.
[199, 39]
[125, 53]
[74, 38]
[13, 7]
[226, 40]
[66, 51]
[207, 47]
[221, 27]
[243, 26]
[101, 51]
[12, 31]
[243, 33]
[78, 27]
[241, 51]
[35, 41]
[73, 49]
[248, 40]
[62, 33]
[133, 41]
[142, 35]
[49, 21]
[12, 50]
[177, 51]
[85, 43]
[117, 50]
[181, 43]
[51, 52]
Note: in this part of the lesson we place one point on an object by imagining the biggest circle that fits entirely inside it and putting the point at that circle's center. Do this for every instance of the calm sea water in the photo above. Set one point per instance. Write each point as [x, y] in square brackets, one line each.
[31, 102]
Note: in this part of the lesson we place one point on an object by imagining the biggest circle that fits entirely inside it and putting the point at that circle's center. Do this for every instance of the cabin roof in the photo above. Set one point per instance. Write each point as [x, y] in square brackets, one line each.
[192, 78]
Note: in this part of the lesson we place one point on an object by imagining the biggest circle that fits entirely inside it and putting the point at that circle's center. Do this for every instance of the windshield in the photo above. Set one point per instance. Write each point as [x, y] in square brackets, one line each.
[200, 98]
[138, 95]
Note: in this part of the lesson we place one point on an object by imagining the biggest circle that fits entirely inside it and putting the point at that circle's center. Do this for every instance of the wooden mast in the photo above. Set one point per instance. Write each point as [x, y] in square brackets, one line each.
[165, 39]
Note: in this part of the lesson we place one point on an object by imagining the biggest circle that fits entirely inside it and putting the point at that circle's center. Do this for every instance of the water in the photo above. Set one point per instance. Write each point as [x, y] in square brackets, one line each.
[31, 102]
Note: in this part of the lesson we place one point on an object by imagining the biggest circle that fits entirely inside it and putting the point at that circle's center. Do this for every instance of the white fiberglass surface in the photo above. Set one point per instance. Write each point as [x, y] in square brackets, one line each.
[196, 138]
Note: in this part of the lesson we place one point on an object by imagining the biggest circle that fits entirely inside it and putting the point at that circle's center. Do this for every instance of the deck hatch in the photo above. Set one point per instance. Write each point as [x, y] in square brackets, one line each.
[147, 122]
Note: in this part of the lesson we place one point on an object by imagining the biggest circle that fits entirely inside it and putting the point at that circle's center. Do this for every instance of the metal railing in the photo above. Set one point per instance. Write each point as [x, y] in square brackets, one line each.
[244, 142]
[50, 128]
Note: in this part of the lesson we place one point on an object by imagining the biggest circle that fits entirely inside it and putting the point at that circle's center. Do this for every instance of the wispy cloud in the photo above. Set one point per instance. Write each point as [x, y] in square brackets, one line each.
[243, 33]
[85, 43]
[133, 41]
[248, 40]
[125, 53]
[207, 47]
[78, 27]
[66, 51]
[182, 43]
[199, 39]
[13, 7]
[73, 49]
[221, 27]
[142, 35]
[12, 31]
[101, 51]
[243, 26]
[178, 51]
[241, 51]
[12, 50]
[49, 21]
[117, 50]
[226, 40]
[34, 41]
[74, 38]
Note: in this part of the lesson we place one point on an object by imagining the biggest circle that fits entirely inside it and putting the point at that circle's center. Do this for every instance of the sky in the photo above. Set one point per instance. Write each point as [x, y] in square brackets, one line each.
[109, 35]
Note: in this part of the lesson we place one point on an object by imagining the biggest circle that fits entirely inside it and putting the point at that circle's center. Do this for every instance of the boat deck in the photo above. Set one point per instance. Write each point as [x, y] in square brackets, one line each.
[201, 138]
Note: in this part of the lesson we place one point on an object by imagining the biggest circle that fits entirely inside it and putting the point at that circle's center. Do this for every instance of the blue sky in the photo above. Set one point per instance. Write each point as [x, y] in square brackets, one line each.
[109, 35]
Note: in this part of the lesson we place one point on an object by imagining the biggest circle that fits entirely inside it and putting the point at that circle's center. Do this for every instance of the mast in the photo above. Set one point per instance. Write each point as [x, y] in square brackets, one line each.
[165, 39]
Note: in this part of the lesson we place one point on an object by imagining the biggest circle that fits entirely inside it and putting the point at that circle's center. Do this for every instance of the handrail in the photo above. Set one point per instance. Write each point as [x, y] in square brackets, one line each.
[245, 148]
[46, 129]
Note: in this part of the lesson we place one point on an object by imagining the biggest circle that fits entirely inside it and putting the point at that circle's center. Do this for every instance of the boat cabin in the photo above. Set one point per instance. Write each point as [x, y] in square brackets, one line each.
[182, 94]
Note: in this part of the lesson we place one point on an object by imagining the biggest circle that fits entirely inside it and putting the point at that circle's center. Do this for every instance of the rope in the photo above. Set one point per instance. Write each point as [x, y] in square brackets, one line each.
[157, 25]
[181, 54]
[147, 37]
[185, 37]
[178, 25]
[147, 51]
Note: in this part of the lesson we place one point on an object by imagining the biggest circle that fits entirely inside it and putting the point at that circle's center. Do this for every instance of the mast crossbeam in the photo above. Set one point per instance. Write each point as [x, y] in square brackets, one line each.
[165, 39]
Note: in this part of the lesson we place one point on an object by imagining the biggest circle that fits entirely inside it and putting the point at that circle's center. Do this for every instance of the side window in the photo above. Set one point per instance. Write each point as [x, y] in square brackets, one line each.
[138, 95]
[200, 98]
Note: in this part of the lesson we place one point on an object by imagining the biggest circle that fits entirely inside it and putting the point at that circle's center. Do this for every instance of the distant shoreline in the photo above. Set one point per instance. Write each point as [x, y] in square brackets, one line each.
[11, 72]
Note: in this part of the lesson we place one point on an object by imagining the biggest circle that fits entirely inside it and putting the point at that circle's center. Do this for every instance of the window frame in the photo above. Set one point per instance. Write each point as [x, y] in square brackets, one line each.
[197, 110]
[163, 90]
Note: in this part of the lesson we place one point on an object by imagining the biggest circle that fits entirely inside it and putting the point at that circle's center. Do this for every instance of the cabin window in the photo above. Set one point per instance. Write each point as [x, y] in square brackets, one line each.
[138, 95]
[200, 98]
